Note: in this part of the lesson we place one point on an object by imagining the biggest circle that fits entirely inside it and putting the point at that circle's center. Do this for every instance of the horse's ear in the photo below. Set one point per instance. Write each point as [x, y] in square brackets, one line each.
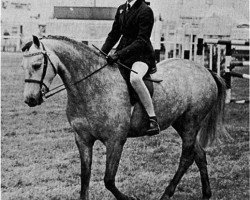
[27, 46]
[36, 41]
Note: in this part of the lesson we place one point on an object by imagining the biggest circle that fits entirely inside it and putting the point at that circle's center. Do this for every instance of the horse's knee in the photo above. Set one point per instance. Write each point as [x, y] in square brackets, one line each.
[109, 182]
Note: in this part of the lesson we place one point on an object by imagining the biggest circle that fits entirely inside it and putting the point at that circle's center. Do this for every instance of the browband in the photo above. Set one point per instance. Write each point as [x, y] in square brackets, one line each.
[33, 54]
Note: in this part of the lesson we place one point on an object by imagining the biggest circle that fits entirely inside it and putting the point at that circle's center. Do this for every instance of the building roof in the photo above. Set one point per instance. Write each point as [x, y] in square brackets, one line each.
[220, 21]
[226, 12]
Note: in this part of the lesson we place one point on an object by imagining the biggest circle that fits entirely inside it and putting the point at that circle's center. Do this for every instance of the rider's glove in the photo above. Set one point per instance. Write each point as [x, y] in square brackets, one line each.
[111, 59]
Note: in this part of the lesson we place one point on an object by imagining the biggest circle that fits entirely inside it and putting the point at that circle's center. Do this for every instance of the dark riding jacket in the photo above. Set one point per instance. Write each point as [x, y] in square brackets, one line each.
[135, 27]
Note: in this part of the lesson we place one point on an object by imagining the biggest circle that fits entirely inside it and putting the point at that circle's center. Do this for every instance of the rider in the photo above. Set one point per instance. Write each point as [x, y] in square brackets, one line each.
[134, 22]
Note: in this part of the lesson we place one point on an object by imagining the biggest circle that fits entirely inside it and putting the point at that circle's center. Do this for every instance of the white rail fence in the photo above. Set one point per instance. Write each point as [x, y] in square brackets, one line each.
[15, 43]
[11, 43]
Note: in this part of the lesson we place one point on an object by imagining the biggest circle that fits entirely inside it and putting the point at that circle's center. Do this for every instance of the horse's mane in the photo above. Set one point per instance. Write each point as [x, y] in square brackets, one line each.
[76, 44]
[64, 38]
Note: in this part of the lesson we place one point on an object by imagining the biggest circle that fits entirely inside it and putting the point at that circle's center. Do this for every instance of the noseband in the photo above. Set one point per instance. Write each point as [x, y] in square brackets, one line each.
[45, 66]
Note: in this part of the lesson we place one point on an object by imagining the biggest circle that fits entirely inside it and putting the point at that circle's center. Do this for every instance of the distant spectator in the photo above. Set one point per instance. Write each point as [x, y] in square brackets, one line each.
[162, 44]
[6, 33]
[5, 42]
[42, 30]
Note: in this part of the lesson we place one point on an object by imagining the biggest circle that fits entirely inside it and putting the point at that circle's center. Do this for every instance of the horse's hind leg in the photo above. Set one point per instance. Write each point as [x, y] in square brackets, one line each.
[186, 160]
[200, 160]
[85, 149]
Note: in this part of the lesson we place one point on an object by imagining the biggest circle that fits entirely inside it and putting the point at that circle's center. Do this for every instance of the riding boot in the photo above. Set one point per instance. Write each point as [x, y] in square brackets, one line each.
[153, 127]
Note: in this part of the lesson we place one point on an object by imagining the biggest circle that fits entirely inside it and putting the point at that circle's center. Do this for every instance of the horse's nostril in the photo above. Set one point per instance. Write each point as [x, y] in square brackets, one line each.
[31, 101]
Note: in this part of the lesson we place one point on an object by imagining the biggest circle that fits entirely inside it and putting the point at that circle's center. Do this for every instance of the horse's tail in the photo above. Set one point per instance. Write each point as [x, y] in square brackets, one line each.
[214, 121]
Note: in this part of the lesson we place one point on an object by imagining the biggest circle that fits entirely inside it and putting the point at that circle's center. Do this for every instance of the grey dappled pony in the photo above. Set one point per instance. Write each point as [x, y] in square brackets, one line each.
[190, 98]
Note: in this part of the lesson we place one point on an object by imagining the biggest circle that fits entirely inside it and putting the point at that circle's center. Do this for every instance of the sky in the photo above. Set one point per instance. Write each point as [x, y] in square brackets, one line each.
[169, 9]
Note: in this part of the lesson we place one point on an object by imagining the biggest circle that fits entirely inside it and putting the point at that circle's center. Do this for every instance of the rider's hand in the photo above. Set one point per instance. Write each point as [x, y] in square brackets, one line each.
[111, 59]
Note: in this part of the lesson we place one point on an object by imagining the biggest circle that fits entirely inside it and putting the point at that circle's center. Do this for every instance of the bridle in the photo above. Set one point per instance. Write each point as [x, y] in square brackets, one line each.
[41, 83]
[45, 66]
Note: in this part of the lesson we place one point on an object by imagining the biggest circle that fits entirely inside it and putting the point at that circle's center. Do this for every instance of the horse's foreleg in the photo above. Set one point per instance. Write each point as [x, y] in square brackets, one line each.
[186, 160]
[85, 149]
[201, 162]
[114, 151]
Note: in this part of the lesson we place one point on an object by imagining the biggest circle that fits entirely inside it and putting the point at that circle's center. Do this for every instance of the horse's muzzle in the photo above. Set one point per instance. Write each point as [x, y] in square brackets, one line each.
[32, 102]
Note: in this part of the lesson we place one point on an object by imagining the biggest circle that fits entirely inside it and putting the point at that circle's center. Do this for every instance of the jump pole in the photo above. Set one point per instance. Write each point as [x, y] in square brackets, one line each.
[229, 64]
[225, 42]
[234, 64]
[235, 74]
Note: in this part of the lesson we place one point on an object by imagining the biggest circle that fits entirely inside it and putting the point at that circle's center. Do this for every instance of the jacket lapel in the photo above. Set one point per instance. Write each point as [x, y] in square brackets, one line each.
[133, 11]
[123, 14]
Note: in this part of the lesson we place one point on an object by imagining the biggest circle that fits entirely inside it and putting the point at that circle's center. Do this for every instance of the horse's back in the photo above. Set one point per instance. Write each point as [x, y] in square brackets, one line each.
[186, 78]
[186, 86]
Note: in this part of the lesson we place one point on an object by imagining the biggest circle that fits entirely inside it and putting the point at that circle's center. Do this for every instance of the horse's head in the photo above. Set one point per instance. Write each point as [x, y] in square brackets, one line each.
[39, 72]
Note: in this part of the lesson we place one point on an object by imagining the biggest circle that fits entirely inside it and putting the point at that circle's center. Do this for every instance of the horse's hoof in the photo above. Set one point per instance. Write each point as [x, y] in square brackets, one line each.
[206, 198]
[165, 198]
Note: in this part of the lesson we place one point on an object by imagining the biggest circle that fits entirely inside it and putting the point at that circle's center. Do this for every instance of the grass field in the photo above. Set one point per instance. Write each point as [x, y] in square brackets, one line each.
[40, 161]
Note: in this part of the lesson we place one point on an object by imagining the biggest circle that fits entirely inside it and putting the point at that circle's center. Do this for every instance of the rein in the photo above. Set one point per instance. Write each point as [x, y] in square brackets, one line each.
[52, 94]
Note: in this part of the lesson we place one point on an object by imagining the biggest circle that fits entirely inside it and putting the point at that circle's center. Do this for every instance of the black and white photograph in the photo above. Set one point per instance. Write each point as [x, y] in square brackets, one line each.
[125, 100]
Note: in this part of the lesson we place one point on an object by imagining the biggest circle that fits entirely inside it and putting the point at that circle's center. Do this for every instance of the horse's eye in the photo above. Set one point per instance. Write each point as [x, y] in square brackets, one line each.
[36, 66]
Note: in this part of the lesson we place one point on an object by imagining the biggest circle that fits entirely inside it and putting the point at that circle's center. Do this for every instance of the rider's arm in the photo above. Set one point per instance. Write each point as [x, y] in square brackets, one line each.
[114, 34]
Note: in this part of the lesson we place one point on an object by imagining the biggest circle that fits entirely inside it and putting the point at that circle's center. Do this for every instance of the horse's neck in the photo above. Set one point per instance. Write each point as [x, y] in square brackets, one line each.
[76, 64]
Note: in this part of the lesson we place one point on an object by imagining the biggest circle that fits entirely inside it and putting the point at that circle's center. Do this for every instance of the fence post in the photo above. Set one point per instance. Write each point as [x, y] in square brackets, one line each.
[157, 39]
[199, 52]
[175, 43]
[218, 59]
[191, 47]
[166, 42]
[182, 47]
[210, 56]
[228, 59]
[195, 47]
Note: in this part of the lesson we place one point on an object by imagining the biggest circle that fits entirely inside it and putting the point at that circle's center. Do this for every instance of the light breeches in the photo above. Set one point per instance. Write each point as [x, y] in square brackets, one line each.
[140, 88]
